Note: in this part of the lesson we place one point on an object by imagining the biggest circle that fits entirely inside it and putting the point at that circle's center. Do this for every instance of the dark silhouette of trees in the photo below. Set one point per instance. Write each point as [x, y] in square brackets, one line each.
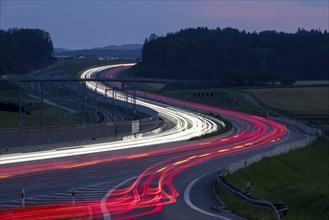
[24, 50]
[236, 57]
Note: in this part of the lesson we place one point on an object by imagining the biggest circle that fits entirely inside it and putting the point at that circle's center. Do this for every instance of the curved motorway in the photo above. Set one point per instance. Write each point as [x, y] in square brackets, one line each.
[162, 181]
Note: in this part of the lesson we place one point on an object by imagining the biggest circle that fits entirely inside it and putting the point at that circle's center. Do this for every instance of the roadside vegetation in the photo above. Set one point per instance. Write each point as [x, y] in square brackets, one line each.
[300, 179]
[222, 130]
[241, 208]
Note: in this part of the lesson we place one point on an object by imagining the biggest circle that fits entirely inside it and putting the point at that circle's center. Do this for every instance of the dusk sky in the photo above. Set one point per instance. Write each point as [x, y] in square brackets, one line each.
[89, 24]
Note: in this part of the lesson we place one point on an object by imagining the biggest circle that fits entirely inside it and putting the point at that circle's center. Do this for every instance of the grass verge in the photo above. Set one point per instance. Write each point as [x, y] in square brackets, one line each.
[240, 207]
[299, 179]
[228, 126]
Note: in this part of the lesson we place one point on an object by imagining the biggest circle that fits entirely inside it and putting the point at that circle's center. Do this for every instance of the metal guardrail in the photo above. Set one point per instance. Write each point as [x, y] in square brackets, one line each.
[278, 208]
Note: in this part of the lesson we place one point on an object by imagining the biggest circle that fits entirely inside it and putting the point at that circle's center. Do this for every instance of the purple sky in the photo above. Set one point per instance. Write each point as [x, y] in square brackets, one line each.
[88, 24]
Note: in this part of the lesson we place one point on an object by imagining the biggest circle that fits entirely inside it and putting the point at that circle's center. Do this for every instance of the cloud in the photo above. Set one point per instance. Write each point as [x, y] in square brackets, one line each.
[264, 15]
[315, 3]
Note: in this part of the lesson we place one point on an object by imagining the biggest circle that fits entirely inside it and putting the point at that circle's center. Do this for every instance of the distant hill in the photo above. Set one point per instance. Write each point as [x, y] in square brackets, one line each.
[125, 51]
[60, 50]
[122, 47]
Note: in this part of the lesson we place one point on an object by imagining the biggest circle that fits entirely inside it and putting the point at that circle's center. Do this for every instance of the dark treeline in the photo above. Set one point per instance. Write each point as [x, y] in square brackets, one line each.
[236, 57]
[24, 50]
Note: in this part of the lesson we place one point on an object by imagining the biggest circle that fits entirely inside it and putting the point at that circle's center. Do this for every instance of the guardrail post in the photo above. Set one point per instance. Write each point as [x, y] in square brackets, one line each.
[23, 198]
[73, 196]
[248, 189]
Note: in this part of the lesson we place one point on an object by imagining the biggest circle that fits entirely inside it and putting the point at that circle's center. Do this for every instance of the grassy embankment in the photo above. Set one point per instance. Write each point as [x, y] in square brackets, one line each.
[9, 93]
[300, 179]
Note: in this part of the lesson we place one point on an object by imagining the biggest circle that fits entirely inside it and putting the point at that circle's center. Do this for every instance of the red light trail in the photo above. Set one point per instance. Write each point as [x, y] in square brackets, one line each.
[154, 188]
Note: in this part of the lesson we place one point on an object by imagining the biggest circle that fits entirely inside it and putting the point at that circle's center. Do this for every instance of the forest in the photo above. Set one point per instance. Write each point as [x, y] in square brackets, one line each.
[24, 50]
[236, 58]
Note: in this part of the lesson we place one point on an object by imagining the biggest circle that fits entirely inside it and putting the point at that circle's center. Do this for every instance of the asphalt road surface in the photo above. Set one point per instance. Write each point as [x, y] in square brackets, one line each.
[175, 182]
[92, 183]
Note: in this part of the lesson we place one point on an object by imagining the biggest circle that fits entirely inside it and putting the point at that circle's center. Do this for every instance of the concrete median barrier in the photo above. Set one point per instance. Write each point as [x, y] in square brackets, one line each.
[15, 140]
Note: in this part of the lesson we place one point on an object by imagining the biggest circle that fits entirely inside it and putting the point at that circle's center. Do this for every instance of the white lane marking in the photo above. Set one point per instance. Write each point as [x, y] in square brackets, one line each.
[10, 206]
[89, 171]
[191, 205]
[66, 196]
[92, 191]
[39, 199]
[32, 187]
[105, 211]
[62, 194]
[86, 177]
[251, 99]
[46, 178]
[34, 203]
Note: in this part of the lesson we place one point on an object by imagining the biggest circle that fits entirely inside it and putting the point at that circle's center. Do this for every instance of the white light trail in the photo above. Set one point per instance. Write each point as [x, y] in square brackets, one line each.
[187, 125]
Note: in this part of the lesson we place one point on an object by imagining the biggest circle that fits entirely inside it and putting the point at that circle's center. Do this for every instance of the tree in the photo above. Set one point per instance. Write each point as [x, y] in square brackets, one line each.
[237, 57]
[24, 50]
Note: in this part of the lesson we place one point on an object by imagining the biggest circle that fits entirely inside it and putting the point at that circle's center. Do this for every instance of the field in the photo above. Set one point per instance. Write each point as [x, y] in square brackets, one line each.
[312, 100]
[300, 179]
[311, 82]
